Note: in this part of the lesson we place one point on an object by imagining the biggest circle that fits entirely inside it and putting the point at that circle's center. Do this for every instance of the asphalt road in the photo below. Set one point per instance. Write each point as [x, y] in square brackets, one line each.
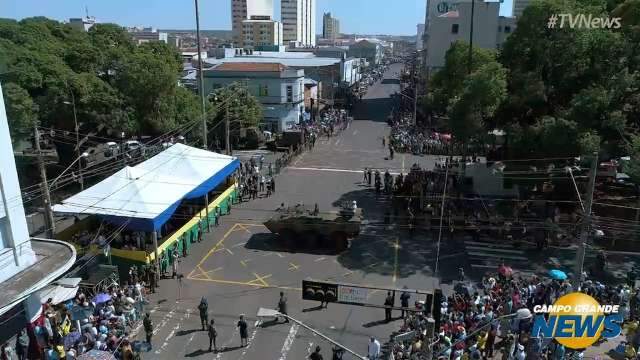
[239, 268]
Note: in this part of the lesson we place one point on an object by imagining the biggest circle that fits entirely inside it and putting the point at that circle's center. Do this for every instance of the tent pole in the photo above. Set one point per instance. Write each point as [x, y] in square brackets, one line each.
[155, 251]
[206, 209]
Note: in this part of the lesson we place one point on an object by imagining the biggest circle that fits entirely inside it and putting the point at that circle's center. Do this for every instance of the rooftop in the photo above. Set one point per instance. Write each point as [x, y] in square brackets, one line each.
[251, 66]
[293, 62]
[54, 258]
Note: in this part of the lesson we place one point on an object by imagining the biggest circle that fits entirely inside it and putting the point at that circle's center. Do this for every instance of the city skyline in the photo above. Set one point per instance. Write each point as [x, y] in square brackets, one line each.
[356, 16]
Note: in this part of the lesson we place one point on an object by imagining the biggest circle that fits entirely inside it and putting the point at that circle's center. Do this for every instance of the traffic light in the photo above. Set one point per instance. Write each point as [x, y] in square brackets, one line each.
[319, 291]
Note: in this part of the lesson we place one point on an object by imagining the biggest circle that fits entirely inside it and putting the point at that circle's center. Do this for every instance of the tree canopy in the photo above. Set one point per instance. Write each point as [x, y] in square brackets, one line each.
[46, 65]
[568, 91]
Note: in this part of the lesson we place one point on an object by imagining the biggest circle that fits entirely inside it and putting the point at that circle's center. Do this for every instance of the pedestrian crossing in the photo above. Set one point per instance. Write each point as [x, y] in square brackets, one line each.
[487, 255]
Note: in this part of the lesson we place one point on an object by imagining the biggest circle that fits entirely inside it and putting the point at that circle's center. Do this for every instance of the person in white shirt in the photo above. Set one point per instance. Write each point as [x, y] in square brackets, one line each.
[373, 349]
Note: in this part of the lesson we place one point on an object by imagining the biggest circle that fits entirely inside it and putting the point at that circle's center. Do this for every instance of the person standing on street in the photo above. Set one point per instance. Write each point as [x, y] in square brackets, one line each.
[373, 350]
[204, 315]
[282, 306]
[404, 300]
[387, 310]
[148, 327]
[316, 354]
[242, 326]
[273, 185]
[211, 330]
[175, 262]
[364, 176]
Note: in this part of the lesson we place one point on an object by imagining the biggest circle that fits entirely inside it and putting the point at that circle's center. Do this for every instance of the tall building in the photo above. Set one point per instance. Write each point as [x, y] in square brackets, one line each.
[242, 10]
[260, 32]
[83, 24]
[419, 37]
[330, 27]
[299, 22]
[489, 30]
[519, 6]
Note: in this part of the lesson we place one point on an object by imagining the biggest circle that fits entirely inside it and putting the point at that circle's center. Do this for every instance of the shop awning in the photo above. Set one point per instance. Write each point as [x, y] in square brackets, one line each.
[146, 195]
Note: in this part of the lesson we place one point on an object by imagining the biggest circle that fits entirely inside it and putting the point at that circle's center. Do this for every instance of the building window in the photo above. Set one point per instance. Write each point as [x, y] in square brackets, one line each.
[454, 28]
[289, 93]
[507, 29]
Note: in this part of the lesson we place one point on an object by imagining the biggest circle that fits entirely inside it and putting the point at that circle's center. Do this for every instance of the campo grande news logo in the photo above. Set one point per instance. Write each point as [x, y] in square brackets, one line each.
[577, 320]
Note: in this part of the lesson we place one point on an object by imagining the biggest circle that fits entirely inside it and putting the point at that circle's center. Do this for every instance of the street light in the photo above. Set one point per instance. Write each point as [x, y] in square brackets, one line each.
[83, 155]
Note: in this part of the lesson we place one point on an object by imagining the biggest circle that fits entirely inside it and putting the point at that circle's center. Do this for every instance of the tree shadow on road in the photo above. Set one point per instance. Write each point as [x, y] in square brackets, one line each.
[373, 109]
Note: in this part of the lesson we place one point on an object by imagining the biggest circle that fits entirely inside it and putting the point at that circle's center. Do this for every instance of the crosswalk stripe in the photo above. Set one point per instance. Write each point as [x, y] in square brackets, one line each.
[503, 256]
[519, 252]
[488, 244]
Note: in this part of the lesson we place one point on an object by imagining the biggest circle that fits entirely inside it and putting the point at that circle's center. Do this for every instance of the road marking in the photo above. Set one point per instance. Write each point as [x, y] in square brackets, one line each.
[260, 279]
[238, 245]
[227, 344]
[250, 284]
[338, 142]
[244, 228]
[319, 259]
[402, 162]
[244, 262]
[280, 255]
[229, 251]
[478, 248]
[289, 341]
[372, 265]
[395, 260]
[335, 261]
[256, 326]
[215, 247]
[333, 170]
[355, 132]
[347, 273]
[293, 266]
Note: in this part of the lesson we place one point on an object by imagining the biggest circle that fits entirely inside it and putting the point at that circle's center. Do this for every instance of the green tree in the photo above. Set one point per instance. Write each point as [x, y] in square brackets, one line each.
[20, 109]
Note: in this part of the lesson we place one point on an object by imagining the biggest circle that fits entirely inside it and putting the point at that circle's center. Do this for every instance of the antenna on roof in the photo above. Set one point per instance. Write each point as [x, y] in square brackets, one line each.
[86, 10]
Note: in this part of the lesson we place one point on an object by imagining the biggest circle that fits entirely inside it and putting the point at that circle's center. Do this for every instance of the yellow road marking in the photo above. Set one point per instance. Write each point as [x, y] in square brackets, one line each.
[260, 279]
[251, 284]
[395, 260]
[244, 262]
[242, 227]
[213, 249]
[319, 259]
[293, 266]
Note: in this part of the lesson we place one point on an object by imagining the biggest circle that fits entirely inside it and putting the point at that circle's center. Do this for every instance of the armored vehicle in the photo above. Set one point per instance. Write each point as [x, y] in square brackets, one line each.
[300, 227]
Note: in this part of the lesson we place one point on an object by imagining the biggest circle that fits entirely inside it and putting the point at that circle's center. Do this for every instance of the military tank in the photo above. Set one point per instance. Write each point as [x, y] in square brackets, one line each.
[299, 227]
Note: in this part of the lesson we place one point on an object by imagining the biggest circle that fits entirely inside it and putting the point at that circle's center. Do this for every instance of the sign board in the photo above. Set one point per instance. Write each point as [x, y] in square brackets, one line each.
[352, 294]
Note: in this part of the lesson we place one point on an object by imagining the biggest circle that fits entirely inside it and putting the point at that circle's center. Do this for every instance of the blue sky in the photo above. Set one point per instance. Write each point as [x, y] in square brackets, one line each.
[396, 17]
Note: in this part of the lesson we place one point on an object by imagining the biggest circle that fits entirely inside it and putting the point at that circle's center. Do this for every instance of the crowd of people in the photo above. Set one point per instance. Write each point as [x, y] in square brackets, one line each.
[493, 319]
[98, 323]
[251, 180]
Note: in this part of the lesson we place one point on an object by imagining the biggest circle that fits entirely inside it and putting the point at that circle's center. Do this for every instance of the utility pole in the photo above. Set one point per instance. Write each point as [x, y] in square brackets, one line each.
[75, 120]
[586, 224]
[473, 7]
[48, 213]
[415, 104]
[444, 196]
[226, 126]
[201, 77]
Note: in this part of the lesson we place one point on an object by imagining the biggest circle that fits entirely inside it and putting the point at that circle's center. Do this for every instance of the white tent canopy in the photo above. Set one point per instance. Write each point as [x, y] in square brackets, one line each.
[145, 196]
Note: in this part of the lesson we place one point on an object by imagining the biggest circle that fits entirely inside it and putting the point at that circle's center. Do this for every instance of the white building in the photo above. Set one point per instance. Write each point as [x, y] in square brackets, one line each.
[330, 27]
[83, 24]
[278, 88]
[519, 6]
[245, 9]
[489, 30]
[299, 22]
[419, 34]
[261, 33]
[28, 265]
[143, 35]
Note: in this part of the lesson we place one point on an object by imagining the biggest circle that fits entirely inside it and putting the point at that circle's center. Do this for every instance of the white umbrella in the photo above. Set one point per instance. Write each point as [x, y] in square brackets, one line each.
[523, 313]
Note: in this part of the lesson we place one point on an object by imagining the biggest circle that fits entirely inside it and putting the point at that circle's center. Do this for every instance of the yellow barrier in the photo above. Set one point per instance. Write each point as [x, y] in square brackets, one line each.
[186, 227]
